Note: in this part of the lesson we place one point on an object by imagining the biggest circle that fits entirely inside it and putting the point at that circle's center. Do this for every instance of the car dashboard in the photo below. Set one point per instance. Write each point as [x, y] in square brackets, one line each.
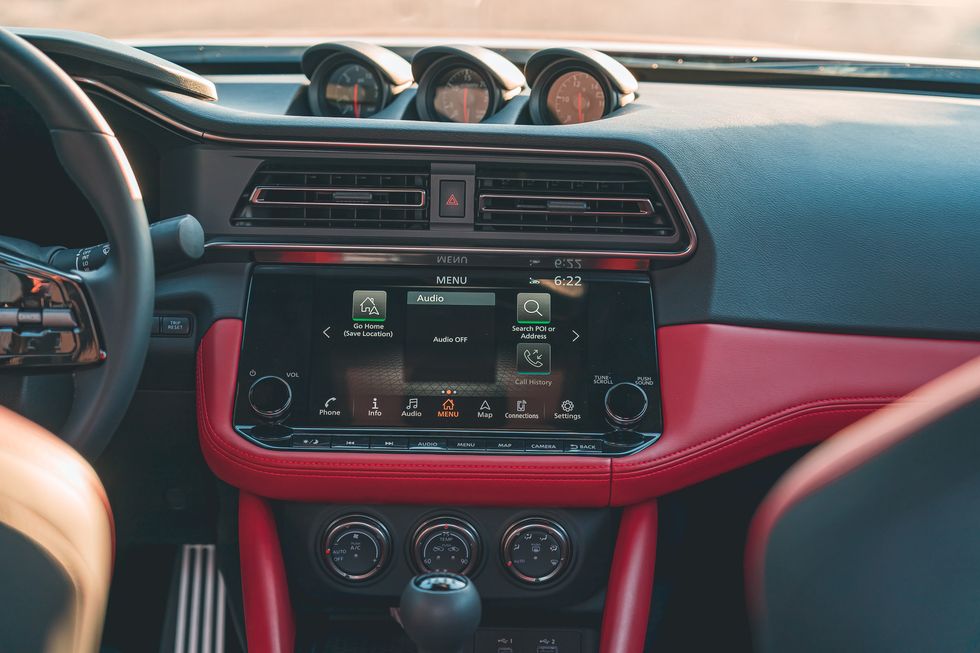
[454, 297]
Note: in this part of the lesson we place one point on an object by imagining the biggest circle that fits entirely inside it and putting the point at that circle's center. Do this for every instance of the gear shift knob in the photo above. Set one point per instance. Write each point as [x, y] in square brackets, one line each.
[440, 612]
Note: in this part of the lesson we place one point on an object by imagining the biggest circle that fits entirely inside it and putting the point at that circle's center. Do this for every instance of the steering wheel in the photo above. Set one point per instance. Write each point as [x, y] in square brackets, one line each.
[95, 324]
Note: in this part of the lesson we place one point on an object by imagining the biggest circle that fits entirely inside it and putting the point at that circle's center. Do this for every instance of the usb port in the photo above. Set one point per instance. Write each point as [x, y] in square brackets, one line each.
[547, 648]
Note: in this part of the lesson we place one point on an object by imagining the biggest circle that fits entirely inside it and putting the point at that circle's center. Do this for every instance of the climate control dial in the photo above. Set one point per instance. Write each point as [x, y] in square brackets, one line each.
[446, 544]
[356, 548]
[536, 551]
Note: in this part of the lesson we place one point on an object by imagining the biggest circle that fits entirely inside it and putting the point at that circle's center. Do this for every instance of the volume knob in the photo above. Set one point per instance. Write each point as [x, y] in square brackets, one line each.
[270, 397]
[626, 404]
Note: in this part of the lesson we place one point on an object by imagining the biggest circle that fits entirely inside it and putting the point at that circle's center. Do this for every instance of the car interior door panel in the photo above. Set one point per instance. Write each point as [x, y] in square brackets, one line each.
[416, 344]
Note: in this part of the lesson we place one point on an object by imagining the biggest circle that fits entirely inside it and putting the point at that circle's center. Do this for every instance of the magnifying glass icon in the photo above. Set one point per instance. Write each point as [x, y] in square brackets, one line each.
[532, 307]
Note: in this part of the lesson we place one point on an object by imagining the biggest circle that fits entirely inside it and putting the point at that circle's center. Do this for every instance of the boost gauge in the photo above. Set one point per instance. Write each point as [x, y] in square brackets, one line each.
[576, 96]
[353, 90]
[461, 95]
[576, 85]
[356, 80]
[463, 83]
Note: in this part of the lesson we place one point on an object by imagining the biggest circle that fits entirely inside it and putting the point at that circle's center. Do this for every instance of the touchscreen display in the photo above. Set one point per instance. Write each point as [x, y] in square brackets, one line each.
[477, 355]
[483, 352]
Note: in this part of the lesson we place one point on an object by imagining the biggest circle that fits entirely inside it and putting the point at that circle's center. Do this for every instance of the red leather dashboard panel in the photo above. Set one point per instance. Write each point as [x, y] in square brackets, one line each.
[732, 395]
[627, 609]
[375, 478]
[269, 622]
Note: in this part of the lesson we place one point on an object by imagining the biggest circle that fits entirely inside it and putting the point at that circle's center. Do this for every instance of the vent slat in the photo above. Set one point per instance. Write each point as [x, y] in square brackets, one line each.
[538, 200]
[305, 195]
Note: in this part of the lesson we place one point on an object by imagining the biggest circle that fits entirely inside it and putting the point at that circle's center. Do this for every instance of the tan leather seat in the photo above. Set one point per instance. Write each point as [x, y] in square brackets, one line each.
[56, 543]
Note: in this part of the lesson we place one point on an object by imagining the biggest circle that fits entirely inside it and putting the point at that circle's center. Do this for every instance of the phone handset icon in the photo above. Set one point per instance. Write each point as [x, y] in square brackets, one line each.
[533, 357]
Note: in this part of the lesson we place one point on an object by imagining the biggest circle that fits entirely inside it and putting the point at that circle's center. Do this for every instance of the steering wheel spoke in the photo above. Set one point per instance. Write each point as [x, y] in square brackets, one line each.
[46, 319]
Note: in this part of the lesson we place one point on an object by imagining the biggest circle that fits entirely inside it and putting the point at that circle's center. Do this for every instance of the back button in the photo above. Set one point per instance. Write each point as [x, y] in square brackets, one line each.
[583, 446]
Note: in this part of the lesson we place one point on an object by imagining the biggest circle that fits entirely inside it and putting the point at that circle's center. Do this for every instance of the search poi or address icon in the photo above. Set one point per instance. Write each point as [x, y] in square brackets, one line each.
[536, 310]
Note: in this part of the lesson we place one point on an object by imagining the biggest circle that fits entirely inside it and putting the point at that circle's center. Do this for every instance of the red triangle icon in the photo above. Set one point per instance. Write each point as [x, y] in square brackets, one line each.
[452, 201]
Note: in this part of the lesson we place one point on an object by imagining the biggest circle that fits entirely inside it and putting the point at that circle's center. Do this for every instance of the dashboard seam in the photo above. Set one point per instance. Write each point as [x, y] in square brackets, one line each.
[790, 413]
[638, 474]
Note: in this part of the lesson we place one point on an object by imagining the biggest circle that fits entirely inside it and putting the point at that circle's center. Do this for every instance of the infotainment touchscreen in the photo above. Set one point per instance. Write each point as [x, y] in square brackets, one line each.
[424, 350]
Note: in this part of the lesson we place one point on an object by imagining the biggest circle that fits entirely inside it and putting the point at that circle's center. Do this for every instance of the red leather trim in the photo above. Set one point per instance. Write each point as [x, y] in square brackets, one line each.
[847, 451]
[733, 395]
[269, 622]
[375, 478]
[627, 609]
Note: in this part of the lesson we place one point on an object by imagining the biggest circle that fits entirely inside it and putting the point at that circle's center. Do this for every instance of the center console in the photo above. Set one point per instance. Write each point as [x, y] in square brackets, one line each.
[383, 423]
[418, 360]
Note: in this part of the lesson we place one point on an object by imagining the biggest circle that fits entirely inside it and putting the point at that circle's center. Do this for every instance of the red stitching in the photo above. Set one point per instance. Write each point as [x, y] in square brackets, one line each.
[639, 474]
[780, 416]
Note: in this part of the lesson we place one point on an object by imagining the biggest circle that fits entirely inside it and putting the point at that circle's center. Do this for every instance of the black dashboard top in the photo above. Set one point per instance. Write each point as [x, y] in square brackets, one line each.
[814, 208]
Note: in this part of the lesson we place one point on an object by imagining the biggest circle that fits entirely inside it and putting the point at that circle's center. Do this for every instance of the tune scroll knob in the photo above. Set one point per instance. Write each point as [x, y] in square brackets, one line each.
[626, 404]
[270, 397]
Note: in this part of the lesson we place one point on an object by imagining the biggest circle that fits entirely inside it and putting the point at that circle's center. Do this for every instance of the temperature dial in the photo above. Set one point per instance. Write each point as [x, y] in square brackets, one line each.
[536, 551]
[356, 548]
[446, 544]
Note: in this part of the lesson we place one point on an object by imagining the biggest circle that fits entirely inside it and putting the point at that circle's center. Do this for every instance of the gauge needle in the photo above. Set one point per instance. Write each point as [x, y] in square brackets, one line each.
[466, 108]
[580, 107]
[357, 107]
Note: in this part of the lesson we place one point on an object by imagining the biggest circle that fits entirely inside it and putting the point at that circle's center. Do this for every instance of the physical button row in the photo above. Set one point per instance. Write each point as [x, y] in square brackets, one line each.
[481, 445]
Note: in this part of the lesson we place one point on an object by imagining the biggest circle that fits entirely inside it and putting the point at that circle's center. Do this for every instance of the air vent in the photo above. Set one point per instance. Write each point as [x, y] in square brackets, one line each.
[354, 197]
[615, 202]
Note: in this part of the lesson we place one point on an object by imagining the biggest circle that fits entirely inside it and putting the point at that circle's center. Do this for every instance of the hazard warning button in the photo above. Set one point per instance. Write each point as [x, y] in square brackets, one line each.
[452, 198]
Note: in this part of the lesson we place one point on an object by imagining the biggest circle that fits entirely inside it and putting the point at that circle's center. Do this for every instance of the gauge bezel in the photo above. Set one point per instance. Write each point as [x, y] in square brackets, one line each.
[425, 100]
[467, 531]
[538, 103]
[317, 90]
[376, 527]
[553, 528]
